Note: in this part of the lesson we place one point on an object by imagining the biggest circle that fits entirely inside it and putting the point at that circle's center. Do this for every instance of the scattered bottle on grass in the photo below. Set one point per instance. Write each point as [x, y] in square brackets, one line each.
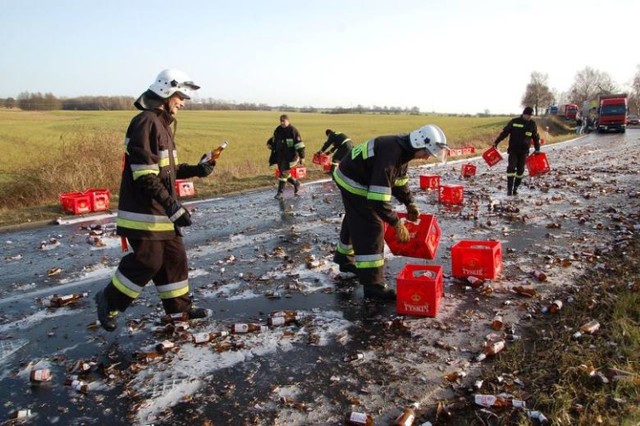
[354, 357]
[490, 349]
[497, 323]
[555, 306]
[590, 327]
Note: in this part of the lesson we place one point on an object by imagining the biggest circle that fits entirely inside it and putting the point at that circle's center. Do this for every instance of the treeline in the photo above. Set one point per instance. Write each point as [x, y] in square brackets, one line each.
[48, 102]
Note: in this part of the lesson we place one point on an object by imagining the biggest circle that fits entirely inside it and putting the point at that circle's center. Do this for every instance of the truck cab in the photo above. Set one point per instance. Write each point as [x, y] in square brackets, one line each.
[612, 113]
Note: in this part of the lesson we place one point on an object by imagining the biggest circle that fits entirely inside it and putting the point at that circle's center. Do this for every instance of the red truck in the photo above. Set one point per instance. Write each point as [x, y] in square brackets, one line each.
[612, 113]
[568, 111]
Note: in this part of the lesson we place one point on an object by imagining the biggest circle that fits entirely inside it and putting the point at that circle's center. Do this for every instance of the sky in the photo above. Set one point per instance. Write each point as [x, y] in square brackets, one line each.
[446, 56]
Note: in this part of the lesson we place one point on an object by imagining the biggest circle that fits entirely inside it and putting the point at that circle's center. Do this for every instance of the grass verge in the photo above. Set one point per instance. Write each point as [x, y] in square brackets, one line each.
[593, 379]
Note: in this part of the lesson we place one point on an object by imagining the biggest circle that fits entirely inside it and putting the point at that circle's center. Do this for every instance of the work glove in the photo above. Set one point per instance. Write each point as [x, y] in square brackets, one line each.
[206, 165]
[402, 233]
[536, 152]
[318, 153]
[178, 214]
[412, 212]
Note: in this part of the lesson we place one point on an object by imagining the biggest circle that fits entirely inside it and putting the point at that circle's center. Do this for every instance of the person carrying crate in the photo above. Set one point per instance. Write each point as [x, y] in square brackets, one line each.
[337, 144]
[287, 150]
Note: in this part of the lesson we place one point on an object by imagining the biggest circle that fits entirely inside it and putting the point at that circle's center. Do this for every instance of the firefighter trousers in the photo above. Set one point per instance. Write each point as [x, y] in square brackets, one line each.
[515, 169]
[162, 261]
[361, 239]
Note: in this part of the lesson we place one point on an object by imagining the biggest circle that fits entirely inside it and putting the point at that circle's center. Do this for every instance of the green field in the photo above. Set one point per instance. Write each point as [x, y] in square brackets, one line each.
[46, 153]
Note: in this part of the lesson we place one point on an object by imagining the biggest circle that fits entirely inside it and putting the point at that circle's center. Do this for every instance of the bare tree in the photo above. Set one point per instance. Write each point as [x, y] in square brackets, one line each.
[590, 83]
[538, 94]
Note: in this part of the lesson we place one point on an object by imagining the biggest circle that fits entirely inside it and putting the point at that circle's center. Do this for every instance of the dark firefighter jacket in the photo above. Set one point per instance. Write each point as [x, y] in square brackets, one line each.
[286, 146]
[148, 177]
[520, 132]
[377, 170]
[335, 140]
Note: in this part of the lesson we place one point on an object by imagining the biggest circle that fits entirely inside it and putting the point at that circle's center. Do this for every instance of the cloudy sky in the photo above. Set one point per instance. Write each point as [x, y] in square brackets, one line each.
[454, 56]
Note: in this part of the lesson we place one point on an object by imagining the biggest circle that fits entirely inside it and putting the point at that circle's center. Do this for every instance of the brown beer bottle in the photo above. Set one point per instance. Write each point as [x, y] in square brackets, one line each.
[176, 317]
[540, 276]
[241, 328]
[408, 416]
[56, 301]
[215, 154]
[359, 419]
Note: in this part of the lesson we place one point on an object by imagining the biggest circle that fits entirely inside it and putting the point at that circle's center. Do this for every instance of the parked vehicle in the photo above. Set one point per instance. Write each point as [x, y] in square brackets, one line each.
[568, 111]
[612, 113]
[633, 120]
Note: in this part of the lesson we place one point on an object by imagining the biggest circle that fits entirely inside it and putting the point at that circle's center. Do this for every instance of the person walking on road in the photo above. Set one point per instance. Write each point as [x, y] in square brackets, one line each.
[287, 150]
[150, 216]
[521, 131]
[579, 124]
[338, 144]
[374, 172]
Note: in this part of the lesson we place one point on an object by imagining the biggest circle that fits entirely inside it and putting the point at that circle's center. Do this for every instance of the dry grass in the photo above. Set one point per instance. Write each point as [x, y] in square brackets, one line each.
[85, 159]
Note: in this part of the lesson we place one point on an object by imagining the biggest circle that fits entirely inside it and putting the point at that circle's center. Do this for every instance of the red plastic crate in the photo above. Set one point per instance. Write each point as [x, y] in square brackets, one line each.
[468, 170]
[425, 237]
[100, 199]
[75, 202]
[321, 159]
[327, 167]
[297, 172]
[481, 259]
[185, 188]
[429, 181]
[451, 194]
[492, 156]
[419, 290]
[538, 164]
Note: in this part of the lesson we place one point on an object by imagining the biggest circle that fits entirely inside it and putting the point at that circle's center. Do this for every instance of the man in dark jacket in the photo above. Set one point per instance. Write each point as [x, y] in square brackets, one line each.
[340, 146]
[287, 149]
[368, 178]
[149, 214]
[521, 130]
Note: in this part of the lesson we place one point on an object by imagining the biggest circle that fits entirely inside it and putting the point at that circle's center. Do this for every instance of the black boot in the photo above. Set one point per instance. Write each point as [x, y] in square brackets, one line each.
[379, 292]
[196, 313]
[279, 195]
[510, 185]
[349, 268]
[296, 185]
[106, 317]
[516, 184]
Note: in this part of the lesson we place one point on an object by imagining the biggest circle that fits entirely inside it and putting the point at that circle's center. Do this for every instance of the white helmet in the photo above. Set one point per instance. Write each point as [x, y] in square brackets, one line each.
[172, 81]
[431, 138]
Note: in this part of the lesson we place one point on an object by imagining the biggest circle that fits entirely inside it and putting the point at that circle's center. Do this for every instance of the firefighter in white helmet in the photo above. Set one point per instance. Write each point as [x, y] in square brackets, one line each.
[368, 178]
[150, 216]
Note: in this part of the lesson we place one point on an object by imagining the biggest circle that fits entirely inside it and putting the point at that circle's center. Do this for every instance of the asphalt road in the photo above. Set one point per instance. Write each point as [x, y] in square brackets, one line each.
[250, 255]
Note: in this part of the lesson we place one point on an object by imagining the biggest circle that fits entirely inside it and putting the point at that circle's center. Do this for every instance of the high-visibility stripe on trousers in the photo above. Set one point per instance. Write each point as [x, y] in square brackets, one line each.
[362, 231]
[162, 261]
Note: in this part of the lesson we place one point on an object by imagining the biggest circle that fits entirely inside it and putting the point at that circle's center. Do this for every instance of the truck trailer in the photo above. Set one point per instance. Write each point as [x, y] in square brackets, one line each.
[612, 113]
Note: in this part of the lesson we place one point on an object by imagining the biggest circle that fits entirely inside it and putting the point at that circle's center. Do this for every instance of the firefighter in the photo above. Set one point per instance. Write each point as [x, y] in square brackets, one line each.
[287, 150]
[521, 130]
[149, 215]
[368, 178]
[340, 145]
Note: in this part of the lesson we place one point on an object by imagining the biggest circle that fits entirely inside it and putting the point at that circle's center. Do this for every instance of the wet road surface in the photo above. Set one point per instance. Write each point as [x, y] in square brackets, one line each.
[250, 255]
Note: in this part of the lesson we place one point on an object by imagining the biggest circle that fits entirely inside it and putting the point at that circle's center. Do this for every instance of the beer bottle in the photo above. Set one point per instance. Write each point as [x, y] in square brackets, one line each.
[540, 276]
[555, 306]
[40, 375]
[57, 301]
[408, 416]
[590, 327]
[475, 281]
[164, 346]
[285, 313]
[282, 320]
[497, 323]
[354, 357]
[147, 356]
[241, 328]
[359, 419]
[215, 154]
[175, 317]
